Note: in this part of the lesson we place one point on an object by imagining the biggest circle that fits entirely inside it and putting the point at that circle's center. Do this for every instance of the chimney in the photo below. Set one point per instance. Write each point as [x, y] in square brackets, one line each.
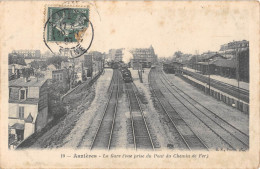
[13, 69]
[26, 79]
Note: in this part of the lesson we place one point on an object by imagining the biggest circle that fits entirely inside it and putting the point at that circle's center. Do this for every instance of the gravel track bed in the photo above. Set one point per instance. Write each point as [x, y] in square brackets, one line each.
[159, 133]
[229, 136]
[201, 130]
[120, 133]
[83, 132]
[218, 129]
[233, 116]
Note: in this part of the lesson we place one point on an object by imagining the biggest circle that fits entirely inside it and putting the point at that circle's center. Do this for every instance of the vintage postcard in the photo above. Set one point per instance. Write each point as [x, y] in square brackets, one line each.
[122, 84]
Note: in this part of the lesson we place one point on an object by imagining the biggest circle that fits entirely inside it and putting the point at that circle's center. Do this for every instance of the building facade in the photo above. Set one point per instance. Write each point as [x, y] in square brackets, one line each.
[61, 75]
[229, 50]
[143, 56]
[28, 107]
[28, 54]
[15, 71]
[115, 55]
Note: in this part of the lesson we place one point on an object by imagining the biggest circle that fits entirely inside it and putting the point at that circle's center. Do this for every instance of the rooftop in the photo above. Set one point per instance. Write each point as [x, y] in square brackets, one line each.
[221, 63]
[17, 66]
[211, 56]
[32, 82]
[18, 126]
[27, 101]
[225, 63]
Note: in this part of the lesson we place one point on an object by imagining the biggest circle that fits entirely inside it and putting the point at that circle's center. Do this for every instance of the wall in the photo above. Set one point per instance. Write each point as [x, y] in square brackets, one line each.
[28, 129]
[14, 95]
[43, 98]
[14, 112]
[42, 119]
[33, 92]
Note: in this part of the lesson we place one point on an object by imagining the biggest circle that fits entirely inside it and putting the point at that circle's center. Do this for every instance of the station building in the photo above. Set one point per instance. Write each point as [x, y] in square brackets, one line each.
[115, 55]
[217, 64]
[143, 56]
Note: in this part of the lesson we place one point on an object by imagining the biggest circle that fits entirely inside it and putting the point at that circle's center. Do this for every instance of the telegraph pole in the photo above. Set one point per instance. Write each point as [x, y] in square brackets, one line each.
[209, 76]
[237, 71]
[196, 61]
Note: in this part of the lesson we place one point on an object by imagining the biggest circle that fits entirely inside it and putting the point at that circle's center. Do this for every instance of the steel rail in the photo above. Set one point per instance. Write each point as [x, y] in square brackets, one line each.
[131, 117]
[189, 147]
[105, 110]
[115, 112]
[200, 118]
[217, 116]
[141, 111]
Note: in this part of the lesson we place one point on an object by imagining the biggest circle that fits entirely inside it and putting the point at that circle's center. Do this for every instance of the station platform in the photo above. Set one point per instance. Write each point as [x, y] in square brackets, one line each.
[233, 82]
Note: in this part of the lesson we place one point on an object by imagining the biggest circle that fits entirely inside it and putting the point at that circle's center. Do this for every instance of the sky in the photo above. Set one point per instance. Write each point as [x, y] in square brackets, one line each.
[167, 26]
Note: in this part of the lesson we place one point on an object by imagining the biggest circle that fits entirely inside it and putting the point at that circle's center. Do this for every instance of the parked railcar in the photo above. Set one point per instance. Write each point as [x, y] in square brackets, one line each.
[172, 67]
[168, 68]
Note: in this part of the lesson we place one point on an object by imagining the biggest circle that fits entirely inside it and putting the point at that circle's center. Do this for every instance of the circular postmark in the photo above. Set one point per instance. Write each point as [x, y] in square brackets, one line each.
[68, 31]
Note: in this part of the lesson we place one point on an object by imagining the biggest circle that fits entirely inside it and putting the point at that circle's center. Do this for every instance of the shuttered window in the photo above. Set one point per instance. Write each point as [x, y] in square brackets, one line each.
[21, 112]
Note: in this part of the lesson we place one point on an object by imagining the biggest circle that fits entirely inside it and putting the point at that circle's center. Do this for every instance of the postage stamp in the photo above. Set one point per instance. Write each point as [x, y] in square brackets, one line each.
[68, 31]
[67, 24]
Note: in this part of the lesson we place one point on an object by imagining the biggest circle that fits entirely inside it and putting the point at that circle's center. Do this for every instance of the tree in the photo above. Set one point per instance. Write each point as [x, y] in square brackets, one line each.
[56, 106]
[56, 61]
[35, 64]
[43, 65]
[15, 59]
[38, 65]
[178, 54]
[71, 75]
[27, 72]
[38, 74]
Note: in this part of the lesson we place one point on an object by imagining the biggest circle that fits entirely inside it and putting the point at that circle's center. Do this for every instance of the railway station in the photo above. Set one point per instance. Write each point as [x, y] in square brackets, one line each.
[154, 104]
[120, 84]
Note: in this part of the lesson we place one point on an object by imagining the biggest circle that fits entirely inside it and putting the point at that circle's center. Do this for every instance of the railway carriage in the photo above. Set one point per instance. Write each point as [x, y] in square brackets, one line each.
[172, 67]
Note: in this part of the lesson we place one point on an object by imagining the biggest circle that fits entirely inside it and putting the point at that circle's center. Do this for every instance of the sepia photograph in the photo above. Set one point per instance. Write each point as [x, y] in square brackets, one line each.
[144, 78]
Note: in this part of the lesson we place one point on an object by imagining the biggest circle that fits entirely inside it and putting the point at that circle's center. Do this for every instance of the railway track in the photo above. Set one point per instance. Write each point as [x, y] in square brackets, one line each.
[234, 91]
[226, 131]
[104, 133]
[141, 135]
[186, 134]
[242, 90]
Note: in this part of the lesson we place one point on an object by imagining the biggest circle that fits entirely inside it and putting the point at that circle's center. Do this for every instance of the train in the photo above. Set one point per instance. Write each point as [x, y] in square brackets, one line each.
[123, 68]
[115, 65]
[172, 67]
[127, 77]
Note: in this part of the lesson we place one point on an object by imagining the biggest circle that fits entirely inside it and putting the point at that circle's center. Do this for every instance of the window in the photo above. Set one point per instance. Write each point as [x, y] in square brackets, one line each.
[22, 94]
[21, 112]
[10, 91]
[61, 77]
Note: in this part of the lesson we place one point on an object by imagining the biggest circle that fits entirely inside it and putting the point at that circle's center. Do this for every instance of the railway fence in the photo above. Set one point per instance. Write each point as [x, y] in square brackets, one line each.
[221, 96]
